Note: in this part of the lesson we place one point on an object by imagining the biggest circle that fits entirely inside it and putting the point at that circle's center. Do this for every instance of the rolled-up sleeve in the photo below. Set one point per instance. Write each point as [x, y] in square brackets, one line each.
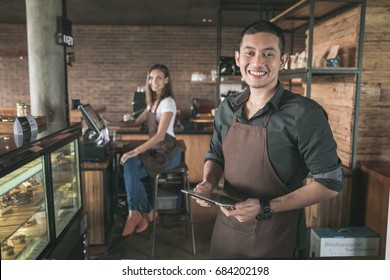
[318, 148]
[332, 179]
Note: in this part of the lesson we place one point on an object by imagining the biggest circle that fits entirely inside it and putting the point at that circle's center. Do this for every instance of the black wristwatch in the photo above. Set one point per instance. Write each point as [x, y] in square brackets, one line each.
[265, 209]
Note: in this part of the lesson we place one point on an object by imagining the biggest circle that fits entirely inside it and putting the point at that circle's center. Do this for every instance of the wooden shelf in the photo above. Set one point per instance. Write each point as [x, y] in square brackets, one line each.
[298, 15]
[302, 72]
[225, 79]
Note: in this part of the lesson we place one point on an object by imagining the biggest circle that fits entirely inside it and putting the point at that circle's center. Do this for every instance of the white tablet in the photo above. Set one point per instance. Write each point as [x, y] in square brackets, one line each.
[214, 198]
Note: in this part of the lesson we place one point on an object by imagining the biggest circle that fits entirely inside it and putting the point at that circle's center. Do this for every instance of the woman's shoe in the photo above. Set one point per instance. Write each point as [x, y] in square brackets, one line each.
[143, 225]
[131, 224]
[150, 216]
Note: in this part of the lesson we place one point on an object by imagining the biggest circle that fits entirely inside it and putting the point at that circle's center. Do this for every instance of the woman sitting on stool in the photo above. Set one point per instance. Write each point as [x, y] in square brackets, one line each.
[158, 153]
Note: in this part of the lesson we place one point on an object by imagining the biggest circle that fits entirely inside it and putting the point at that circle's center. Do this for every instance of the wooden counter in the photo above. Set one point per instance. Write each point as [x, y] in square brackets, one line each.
[376, 191]
[98, 200]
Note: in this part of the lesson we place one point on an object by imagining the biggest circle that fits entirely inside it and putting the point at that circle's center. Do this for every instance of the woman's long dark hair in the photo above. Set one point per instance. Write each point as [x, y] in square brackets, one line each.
[167, 91]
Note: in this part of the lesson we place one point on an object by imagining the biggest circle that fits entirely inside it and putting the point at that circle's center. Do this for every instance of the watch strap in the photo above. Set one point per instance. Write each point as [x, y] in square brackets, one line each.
[265, 209]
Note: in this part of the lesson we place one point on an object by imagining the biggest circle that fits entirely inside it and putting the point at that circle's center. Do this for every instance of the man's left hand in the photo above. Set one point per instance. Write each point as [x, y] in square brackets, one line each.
[244, 210]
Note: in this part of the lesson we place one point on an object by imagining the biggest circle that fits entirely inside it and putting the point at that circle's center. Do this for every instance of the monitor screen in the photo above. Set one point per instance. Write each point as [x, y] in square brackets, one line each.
[92, 119]
[138, 103]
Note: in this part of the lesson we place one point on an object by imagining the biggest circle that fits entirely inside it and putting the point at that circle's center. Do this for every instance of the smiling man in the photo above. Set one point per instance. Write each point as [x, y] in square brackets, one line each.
[266, 141]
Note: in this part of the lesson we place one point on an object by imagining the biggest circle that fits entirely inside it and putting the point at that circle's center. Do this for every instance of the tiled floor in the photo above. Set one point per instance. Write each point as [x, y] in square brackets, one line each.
[171, 240]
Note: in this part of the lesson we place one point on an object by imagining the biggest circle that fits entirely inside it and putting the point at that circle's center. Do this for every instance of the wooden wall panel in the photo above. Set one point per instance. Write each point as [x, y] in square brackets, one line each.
[333, 212]
[197, 147]
[337, 97]
[339, 30]
[374, 124]
[376, 188]
[337, 93]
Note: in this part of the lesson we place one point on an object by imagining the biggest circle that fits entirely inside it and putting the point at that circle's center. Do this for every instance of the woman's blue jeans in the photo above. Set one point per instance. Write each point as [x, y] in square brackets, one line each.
[134, 171]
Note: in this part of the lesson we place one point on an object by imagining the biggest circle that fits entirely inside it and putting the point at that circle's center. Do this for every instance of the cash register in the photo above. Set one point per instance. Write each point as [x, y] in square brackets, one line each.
[96, 139]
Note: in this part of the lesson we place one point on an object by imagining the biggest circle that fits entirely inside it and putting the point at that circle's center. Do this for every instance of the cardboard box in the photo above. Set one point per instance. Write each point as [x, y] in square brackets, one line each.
[343, 242]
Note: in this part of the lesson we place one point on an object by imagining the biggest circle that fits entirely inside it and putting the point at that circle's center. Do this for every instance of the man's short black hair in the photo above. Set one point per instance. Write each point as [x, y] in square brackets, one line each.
[265, 26]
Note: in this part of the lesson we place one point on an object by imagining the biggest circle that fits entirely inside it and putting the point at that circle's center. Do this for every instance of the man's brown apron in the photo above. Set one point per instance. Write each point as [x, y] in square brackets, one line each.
[159, 156]
[249, 174]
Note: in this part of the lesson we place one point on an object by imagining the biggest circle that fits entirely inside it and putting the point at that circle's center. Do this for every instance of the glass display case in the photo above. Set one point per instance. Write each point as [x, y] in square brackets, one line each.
[66, 184]
[41, 212]
[24, 228]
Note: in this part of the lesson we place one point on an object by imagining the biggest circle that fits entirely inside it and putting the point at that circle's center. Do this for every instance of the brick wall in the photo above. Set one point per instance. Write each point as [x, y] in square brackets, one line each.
[14, 83]
[112, 61]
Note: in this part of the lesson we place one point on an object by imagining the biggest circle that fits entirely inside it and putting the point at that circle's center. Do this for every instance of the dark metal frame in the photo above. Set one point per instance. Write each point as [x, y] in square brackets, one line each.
[308, 72]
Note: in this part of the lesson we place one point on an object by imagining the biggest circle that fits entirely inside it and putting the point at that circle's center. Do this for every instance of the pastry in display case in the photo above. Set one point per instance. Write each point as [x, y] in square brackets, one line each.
[24, 230]
[66, 186]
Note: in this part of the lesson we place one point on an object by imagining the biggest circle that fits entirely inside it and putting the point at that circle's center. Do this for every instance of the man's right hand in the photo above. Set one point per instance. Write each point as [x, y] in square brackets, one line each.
[203, 187]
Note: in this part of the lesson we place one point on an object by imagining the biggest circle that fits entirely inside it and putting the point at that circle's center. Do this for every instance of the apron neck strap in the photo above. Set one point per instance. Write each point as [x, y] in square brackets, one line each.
[267, 116]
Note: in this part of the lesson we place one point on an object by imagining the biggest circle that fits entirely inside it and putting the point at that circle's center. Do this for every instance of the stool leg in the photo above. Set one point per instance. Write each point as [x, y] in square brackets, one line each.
[117, 176]
[155, 187]
[189, 212]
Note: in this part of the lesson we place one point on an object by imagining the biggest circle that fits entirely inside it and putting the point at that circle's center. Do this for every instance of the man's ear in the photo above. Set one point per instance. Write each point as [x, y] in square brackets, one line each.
[283, 60]
[237, 58]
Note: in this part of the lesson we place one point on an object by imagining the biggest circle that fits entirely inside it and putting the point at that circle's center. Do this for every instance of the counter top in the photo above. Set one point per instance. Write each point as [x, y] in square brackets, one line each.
[190, 127]
[185, 127]
[9, 143]
[381, 167]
